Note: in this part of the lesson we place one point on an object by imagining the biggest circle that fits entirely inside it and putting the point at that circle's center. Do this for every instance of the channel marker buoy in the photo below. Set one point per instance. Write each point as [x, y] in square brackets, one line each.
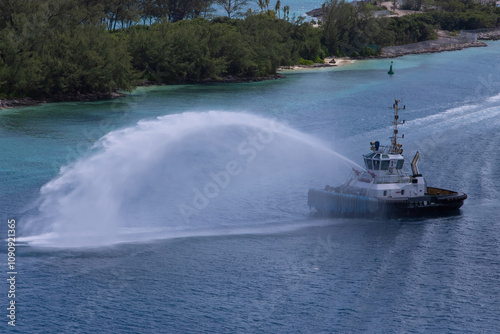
[391, 72]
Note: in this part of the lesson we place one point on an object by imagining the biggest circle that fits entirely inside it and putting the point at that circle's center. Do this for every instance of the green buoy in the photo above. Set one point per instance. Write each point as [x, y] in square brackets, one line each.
[391, 72]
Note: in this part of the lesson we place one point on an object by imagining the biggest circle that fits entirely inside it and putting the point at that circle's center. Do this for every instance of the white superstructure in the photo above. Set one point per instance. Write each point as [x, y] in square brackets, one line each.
[384, 177]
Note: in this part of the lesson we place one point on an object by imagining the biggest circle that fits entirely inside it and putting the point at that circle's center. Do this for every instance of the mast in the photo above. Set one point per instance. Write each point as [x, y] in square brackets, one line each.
[395, 146]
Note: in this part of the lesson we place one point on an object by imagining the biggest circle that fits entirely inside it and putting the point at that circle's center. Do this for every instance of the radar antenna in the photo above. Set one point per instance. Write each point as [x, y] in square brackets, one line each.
[395, 146]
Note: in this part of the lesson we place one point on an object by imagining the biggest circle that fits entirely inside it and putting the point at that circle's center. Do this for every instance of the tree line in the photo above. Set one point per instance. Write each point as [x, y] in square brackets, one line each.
[456, 14]
[190, 51]
[353, 30]
[58, 47]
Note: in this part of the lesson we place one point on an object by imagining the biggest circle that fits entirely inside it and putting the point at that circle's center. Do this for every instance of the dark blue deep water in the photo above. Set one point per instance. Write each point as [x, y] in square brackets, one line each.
[182, 209]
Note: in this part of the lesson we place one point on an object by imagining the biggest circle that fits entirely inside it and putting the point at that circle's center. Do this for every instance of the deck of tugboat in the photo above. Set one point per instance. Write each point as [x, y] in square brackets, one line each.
[438, 191]
[368, 178]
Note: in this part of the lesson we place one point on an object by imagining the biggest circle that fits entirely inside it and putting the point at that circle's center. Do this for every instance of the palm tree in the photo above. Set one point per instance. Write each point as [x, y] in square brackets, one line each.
[277, 8]
[261, 4]
[286, 12]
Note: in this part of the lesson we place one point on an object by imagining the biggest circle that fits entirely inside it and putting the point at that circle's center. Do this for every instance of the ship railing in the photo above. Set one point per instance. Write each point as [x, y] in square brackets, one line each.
[393, 179]
[385, 149]
[361, 176]
[369, 177]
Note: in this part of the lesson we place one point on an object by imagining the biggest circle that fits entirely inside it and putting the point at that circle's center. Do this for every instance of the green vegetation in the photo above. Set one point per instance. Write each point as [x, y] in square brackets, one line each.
[190, 51]
[352, 29]
[410, 29]
[51, 48]
[59, 47]
[455, 14]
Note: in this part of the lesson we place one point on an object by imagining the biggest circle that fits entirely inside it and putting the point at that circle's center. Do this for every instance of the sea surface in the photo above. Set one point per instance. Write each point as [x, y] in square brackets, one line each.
[297, 7]
[183, 209]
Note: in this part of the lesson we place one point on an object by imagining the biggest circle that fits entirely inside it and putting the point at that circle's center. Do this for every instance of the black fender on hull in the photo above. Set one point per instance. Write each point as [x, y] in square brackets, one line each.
[336, 204]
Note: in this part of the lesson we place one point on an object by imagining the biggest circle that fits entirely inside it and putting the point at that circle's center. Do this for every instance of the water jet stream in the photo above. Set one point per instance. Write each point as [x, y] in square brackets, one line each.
[180, 175]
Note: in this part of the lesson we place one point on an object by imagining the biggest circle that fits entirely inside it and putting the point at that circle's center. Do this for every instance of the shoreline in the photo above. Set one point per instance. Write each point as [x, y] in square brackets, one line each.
[433, 46]
[224, 79]
[442, 44]
[78, 97]
[328, 63]
[75, 97]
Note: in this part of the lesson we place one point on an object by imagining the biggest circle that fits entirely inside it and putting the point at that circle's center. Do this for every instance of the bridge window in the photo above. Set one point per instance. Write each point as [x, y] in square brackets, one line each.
[376, 164]
[400, 164]
[385, 164]
[368, 163]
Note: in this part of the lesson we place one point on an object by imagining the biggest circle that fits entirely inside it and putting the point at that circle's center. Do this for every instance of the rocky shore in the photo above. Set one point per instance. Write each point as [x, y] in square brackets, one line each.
[438, 45]
[27, 101]
[318, 13]
[493, 35]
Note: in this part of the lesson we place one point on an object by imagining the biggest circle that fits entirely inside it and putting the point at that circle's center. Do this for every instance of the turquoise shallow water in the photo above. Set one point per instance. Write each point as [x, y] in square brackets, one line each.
[122, 240]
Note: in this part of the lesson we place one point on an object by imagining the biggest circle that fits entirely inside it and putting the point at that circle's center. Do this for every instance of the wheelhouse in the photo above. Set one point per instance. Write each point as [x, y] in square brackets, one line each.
[382, 161]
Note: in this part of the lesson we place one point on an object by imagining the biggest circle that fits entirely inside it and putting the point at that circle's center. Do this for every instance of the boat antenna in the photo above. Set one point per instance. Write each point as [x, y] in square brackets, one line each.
[395, 146]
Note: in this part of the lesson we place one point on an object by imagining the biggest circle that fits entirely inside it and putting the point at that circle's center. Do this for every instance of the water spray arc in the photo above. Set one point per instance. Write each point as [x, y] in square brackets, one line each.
[180, 173]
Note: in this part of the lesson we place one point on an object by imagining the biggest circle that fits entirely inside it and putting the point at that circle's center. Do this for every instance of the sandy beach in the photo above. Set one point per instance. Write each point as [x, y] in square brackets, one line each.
[338, 62]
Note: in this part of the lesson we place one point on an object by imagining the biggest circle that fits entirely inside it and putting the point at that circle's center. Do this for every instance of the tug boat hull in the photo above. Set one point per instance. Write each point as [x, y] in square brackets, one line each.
[331, 202]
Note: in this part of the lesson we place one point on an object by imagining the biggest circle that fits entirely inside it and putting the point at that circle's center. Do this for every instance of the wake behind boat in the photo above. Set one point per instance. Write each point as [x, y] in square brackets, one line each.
[383, 188]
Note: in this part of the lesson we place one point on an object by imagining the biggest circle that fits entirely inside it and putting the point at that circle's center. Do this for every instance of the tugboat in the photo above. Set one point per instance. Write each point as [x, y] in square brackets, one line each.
[383, 189]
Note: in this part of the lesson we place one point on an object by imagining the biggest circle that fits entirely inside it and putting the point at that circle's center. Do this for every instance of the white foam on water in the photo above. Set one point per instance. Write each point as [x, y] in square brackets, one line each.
[494, 98]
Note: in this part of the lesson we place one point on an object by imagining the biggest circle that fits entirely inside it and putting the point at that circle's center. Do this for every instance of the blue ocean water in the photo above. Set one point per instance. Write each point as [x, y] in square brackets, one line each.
[297, 7]
[182, 209]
